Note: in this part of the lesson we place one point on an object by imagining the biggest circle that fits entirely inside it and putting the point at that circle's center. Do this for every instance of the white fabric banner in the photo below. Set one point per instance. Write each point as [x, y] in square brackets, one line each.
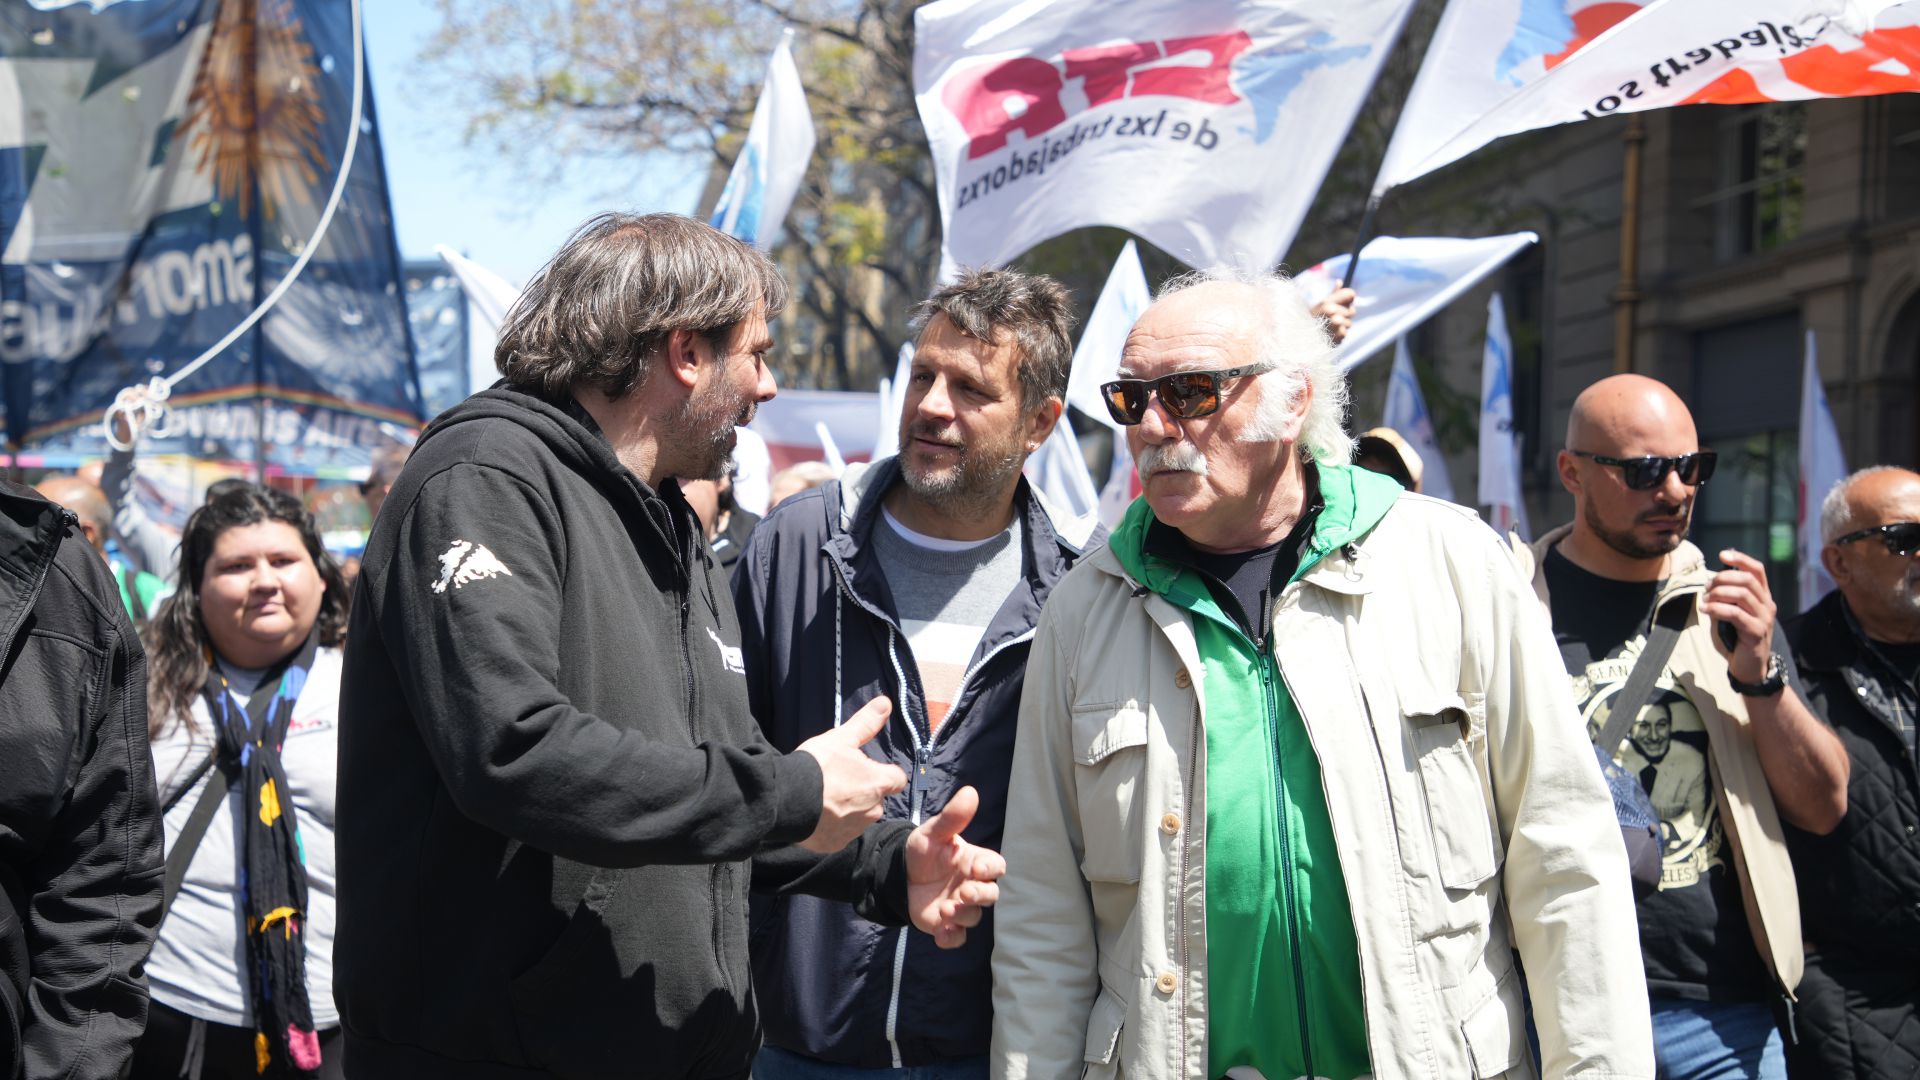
[1204, 126]
[1059, 470]
[1692, 52]
[1499, 444]
[893, 398]
[1822, 465]
[490, 297]
[1482, 51]
[1406, 413]
[1097, 360]
[773, 161]
[1402, 281]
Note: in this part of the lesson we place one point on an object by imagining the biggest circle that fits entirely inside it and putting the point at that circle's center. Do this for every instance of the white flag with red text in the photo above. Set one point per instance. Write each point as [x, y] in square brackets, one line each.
[1204, 126]
[1096, 360]
[1481, 52]
[1693, 52]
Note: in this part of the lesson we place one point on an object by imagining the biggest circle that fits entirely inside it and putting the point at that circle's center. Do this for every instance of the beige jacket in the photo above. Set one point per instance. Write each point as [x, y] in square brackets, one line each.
[1470, 815]
[1746, 802]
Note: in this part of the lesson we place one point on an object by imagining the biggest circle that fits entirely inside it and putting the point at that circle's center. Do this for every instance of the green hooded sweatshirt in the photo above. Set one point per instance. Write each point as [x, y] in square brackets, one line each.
[1283, 971]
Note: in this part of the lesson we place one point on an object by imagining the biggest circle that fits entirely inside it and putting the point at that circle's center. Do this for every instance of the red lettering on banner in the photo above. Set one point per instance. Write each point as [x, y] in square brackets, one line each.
[1208, 83]
[1831, 72]
[1105, 68]
[1024, 94]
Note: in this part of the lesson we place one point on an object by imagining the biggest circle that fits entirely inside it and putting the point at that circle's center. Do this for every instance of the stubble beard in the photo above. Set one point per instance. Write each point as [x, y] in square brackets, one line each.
[1623, 540]
[708, 423]
[970, 486]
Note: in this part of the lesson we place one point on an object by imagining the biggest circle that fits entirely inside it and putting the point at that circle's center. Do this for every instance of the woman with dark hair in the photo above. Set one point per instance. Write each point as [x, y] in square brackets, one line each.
[242, 702]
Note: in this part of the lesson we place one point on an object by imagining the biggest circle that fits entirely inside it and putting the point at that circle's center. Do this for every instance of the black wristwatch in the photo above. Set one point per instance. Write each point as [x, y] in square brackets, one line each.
[1775, 681]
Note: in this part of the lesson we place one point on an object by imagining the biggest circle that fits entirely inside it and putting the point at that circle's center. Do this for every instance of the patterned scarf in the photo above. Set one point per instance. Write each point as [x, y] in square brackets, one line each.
[272, 871]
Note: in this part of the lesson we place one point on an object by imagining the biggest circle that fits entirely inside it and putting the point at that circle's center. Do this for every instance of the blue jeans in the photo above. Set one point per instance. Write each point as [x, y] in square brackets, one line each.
[777, 1064]
[1698, 1040]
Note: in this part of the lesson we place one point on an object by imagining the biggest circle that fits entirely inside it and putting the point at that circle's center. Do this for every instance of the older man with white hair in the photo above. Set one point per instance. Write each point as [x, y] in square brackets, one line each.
[1296, 772]
[1858, 653]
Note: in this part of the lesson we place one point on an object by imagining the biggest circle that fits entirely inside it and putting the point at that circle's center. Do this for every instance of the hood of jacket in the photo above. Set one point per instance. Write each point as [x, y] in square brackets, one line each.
[31, 529]
[576, 439]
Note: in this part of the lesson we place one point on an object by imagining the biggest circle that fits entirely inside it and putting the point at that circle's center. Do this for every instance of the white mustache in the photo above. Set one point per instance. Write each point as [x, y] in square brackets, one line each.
[1173, 457]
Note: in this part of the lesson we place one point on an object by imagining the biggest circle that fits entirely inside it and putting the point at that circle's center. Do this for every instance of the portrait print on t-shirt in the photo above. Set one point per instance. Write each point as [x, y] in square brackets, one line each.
[1666, 748]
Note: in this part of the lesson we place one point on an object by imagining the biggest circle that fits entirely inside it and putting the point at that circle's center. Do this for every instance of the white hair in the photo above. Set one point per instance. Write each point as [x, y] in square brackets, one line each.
[1296, 343]
[1836, 511]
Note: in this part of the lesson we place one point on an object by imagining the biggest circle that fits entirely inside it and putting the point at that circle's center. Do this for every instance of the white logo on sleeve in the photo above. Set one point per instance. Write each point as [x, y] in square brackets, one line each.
[730, 655]
[465, 562]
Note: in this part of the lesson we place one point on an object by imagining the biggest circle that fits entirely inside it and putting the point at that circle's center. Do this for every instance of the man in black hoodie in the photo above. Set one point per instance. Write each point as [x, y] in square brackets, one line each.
[552, 793]
[80, 862]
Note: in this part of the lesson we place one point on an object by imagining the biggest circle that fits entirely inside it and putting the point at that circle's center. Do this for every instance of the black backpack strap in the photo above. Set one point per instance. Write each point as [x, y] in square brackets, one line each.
[195, 830]
[1626, 705]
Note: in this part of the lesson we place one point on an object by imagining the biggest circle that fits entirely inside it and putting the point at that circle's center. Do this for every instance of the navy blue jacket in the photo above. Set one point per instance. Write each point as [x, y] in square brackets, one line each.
[821, 638]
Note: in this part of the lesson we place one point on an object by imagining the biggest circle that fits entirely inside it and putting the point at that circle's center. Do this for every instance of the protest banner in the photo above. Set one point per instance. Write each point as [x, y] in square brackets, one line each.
[773, 160]
[1822, 465]
[1499, 443]
[1402, 281]
[1406, 413]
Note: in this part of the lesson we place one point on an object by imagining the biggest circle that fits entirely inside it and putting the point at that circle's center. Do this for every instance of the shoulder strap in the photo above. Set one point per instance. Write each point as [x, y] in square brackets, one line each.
[1626, 705]
[181, 855]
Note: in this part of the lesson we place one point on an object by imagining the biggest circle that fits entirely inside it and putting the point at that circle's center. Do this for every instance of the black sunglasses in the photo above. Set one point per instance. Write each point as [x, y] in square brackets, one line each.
[1647, 473]
[1901, 537]
[1186, 395]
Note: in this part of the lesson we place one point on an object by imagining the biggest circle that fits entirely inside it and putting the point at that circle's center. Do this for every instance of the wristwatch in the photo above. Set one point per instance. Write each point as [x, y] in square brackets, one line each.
[1775, 681]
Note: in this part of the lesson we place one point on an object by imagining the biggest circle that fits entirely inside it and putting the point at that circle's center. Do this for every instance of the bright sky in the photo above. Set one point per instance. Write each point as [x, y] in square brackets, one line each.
[444, 193]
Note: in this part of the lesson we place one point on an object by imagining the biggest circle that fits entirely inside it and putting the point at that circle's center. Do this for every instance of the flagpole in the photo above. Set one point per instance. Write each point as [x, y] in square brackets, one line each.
[1360, 240]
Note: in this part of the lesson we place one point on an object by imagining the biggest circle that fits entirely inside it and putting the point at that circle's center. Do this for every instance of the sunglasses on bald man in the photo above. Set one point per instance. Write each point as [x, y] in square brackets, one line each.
[1901, 537]
[1647, 473]
[1186, 395]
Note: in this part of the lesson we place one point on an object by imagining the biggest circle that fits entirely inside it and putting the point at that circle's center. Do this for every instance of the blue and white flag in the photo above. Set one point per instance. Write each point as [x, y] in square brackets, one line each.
[1403, 280]
[1499, 443]
[1822, 465]
[1406, 413]
[163, 165]
[773, 161]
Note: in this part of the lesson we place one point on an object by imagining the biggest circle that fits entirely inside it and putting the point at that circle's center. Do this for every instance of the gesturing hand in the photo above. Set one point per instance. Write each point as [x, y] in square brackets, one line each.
[1739, 596]
[852, 785]
[949, 881]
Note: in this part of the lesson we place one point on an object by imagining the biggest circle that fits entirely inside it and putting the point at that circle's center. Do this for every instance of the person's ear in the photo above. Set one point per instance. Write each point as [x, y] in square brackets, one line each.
[682, 354]
[1835, 562]
[1566, 465]
[1040, 421]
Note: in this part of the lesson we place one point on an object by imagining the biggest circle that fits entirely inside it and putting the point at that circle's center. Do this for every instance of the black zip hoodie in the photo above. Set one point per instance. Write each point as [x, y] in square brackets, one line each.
[549, 776]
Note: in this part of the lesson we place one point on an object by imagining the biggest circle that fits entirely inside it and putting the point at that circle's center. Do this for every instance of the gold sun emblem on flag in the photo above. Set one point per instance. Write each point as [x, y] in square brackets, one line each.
[254, 115]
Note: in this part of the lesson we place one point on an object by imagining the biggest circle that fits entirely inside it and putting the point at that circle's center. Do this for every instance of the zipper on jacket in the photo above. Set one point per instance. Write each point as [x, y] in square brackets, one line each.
[1180, 904]
[1292, 902]
[916, 784]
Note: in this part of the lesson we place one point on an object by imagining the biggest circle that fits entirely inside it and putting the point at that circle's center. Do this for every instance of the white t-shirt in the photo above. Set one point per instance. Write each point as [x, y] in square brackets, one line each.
[196, 963]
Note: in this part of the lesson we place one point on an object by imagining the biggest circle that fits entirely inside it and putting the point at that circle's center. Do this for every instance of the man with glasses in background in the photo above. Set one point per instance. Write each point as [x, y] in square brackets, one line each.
[1296, 774]
[1720, 935]
[1859, 652]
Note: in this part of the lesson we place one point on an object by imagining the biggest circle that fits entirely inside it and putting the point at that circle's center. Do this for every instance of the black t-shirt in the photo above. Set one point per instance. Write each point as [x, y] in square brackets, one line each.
[1245, 583]
[1905, 658]
[1694, 933]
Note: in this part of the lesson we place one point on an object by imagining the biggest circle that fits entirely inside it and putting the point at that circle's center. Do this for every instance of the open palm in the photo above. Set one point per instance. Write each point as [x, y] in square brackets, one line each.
[949, 881]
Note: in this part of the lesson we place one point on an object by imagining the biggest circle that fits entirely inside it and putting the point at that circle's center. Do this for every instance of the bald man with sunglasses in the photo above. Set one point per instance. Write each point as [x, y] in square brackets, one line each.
[1720, 934]
[1859, 651]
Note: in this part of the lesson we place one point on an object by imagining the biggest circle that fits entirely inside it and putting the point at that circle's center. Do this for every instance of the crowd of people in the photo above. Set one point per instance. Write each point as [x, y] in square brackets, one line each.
[1293, 773]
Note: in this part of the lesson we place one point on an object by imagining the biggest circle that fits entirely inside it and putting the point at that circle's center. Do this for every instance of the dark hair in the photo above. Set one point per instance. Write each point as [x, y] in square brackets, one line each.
[1034, 308]
[176, 638]
[594, 315]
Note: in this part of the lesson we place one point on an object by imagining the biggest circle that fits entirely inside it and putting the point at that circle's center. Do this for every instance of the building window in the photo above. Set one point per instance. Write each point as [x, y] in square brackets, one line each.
[1903, 158]
[1762, 179]
[1752, 503]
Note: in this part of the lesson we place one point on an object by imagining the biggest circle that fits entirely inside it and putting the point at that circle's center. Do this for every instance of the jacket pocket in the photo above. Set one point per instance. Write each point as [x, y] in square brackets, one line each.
[1495, 1033]
[1104, 1024]
[1110, 765]
[1445, 729]
[547, 997]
